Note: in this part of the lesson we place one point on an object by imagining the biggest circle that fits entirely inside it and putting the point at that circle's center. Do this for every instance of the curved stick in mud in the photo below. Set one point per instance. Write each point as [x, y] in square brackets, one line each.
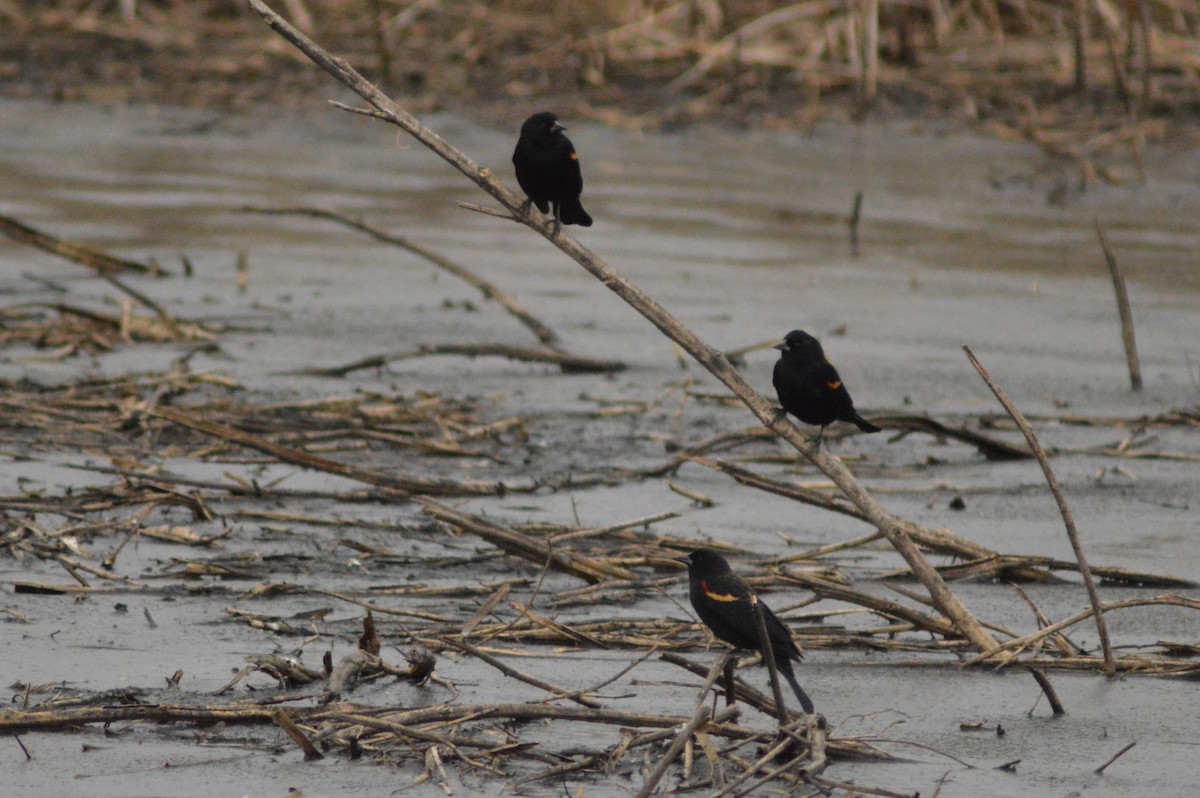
[1110, 667]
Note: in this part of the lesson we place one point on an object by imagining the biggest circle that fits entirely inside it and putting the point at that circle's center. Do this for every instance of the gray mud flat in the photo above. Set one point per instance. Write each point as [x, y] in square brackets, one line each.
[740, 235]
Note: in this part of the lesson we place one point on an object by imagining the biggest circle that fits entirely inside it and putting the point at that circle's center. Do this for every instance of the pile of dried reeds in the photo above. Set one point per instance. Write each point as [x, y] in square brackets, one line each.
[140, 421]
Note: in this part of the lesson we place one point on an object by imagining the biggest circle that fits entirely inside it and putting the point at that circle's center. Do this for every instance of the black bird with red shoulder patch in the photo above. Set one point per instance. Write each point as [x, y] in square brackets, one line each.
[810, 388]
[548, 170]
[725, 604]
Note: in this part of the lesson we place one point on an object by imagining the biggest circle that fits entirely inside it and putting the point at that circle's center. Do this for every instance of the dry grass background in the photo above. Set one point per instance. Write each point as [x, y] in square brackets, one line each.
[1059, 71]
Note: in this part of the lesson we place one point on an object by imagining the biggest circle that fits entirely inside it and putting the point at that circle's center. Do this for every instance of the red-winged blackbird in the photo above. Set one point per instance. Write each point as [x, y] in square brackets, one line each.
[548, 170]
[723, 602]
[809, 387]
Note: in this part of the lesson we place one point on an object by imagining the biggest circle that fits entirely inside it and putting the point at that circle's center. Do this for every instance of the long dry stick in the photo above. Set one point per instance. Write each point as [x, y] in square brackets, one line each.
[1043, 681]
[16, 721]
[570, 364]
[1022, 643]
[284, 722]
[1115, 757]
[93, 259]
[768, 655]
[507, 670]
[737, 690]
[869, 76]
[411, 488]
[371, 476]
[775, 750]
[1131, 355]
[382, 107]
[703, 713]
[1110, 667]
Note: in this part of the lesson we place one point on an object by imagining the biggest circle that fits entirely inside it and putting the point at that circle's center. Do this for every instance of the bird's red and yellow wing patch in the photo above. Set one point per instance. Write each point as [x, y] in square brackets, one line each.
[574, 155]
[834, 385]
[714, 595]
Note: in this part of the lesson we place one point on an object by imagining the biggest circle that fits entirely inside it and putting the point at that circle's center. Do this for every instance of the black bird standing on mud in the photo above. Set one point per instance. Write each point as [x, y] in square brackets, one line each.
[724, 602]
[548, 170]
[809, 386]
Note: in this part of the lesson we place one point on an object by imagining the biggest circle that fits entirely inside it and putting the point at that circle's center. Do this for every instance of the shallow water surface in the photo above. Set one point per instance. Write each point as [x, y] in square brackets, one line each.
[964, 240]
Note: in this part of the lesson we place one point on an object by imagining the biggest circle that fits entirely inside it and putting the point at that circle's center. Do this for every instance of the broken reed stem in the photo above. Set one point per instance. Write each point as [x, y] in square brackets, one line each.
[17, 721]
[1089, 582]
[787, 766]
[735, 689]
[1079, 40]
[855, 218]
[851, 788]
[869, 78]
[568, 363]
[772, 752]
[1043, 681]
[1144, 19]
[1115, 757]
[768, 655]
[1131, 355]
[399, 488]
[719, 667]
[93, 259]
[382, 479]
[284, 721]
[715, 362]
[613, 754]
[703, 712]
[1022, 643]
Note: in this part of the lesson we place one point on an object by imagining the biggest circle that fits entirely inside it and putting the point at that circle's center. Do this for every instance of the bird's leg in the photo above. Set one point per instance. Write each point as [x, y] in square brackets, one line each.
[730, 687]
[778, 414]
[820, 436]
[557, 220]
[525, 206]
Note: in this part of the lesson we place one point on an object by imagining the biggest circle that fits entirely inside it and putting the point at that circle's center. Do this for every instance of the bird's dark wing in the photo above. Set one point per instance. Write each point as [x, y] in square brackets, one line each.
[830, 382]
[573, 174]
[726, 589]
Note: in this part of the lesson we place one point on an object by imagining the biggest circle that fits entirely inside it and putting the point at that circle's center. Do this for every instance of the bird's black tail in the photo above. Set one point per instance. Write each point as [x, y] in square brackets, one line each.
[784, 666]
[863, 424]
[572, 212]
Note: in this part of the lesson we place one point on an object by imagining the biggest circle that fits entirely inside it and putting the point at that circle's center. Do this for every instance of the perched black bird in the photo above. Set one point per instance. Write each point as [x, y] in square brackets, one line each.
[723, 602]
[548, 170]
[809, 386]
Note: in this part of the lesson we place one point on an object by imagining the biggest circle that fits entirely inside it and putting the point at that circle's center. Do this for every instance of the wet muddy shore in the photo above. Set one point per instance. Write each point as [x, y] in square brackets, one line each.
[963, 240]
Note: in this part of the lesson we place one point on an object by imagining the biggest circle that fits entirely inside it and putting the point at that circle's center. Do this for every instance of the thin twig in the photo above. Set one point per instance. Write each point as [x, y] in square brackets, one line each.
[101, 262]
[1022, 643]
[703, 713]
[714, 673]
[311, 754]
[1039, 676]
[1068, 519]
[1131, 355]
[1116, 756]
[858, 789]
[570, 364]
[768, 655]
[855, 218]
